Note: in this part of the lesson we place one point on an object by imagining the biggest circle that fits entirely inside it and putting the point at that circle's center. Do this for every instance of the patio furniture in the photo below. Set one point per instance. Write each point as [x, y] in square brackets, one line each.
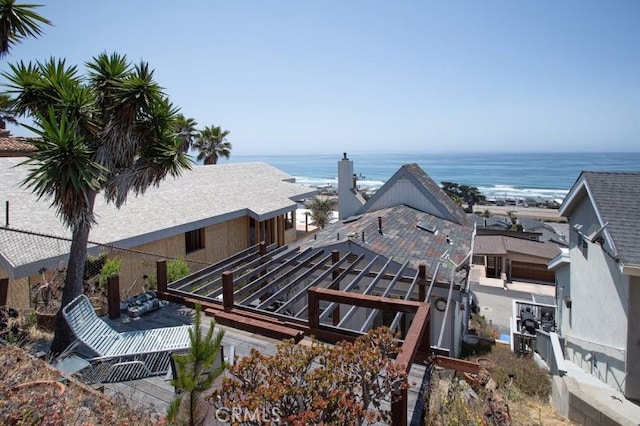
[121, 356]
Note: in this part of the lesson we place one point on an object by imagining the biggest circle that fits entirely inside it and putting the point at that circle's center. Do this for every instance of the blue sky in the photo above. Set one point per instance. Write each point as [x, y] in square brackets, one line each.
[383, 76]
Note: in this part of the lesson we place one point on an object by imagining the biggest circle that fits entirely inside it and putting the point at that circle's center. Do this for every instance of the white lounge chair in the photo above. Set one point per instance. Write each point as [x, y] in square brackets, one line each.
[122, 356]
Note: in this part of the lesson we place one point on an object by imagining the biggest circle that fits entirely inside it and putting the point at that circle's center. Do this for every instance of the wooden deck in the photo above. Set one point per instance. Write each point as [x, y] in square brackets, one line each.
[155, 393]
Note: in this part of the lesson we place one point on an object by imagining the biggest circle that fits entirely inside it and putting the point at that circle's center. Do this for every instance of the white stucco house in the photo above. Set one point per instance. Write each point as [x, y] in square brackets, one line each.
[598, 279]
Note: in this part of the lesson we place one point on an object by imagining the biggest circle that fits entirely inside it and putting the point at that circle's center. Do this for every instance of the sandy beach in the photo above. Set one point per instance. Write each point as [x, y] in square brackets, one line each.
[542, 214]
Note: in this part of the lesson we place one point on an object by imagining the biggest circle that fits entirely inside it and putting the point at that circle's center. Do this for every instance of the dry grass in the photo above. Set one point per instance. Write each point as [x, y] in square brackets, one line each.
[536, 413]
[522, 391]
[520, 373]
[42, 403]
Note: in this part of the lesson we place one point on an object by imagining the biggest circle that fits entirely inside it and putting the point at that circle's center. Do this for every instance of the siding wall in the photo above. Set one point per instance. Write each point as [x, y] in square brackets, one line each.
[405, 192]
[19, 293]
[221, 241]
[598, 319]
[632, 383]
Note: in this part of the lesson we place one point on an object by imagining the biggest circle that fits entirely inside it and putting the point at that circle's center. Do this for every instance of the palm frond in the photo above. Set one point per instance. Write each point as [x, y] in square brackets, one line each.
[211, 143]
[62, 168]
[186, 130]
[17, 22]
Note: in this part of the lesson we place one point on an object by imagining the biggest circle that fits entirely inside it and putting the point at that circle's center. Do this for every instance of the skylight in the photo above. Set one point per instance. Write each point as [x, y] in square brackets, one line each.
[427, 227]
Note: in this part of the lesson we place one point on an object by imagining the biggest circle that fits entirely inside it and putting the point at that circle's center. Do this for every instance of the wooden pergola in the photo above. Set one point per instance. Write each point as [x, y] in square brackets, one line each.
[287, 294]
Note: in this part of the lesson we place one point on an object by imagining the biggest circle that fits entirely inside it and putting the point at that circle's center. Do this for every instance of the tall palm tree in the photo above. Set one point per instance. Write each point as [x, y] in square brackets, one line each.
[17, 22]
[186, 128]
[486, 215]
[321, 208]
[111, 131]
[6, 111]
[212, 145]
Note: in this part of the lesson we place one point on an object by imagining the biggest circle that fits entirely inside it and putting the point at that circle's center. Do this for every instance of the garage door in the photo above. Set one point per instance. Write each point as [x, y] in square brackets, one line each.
[531, 271]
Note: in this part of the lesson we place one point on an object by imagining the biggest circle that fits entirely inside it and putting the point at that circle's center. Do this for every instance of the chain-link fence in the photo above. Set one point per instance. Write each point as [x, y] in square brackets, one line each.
[136, 268]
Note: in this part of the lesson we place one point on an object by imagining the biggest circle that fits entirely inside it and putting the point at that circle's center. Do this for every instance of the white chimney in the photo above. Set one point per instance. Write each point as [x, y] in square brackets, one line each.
[349, 200]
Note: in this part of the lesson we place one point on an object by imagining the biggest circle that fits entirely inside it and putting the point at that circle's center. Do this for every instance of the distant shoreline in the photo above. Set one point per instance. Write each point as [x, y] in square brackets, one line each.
[542, 214]
[538, 213]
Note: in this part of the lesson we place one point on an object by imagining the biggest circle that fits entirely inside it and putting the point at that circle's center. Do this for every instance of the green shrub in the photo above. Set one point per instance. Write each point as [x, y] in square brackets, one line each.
[111, 267]
[177, 269]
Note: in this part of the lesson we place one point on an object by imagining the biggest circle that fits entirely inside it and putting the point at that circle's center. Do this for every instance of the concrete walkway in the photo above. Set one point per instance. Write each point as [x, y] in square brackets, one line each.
[525, 287]
[586, 400]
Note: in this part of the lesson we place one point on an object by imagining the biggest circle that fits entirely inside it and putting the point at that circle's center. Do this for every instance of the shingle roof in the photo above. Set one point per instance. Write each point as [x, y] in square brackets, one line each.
[529, 224]
[15, 146]
[203, 196]
[434, 189]
[432, 198]
[500, 221]
[401, 239]
[487, 245]
[501, 245]
[478, 220]
[616, 196]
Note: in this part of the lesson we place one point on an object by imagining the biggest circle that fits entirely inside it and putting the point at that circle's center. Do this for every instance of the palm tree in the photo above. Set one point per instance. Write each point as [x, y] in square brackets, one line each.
[17, 22]
[211, 143]
[112, 131]
[186, 128]
[486, 215]
[321, 208]
[6, 111]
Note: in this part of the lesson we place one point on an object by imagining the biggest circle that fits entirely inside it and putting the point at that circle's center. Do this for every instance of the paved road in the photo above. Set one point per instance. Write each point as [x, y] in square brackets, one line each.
[496, 303]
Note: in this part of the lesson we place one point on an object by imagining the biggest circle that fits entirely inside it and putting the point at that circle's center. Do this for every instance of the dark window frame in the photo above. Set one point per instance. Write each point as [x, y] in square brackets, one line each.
[583, 246]
[288, 220]
[194, 240]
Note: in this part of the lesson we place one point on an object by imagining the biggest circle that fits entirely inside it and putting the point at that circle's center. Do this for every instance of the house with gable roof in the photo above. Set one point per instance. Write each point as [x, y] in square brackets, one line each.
[408, 223]
[207, 214]
[598, 280]
[546, 231]
[515, 255]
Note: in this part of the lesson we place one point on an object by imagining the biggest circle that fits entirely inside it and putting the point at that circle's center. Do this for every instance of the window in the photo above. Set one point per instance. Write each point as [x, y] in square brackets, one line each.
[583, 245]
[288, 220]
[194, 240]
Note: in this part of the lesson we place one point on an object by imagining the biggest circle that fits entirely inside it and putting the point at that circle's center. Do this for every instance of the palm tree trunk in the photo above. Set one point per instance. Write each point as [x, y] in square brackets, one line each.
[73, 284]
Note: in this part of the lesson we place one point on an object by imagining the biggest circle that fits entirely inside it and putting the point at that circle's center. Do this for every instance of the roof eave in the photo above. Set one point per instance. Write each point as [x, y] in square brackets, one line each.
[633, 270]
[576, 193]
[562, 259]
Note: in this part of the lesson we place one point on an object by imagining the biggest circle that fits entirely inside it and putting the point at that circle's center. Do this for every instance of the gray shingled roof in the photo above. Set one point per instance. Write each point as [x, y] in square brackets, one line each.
[498, 221]
[616, 196]
[203, 196]
[441, 204]
[501, 245]
[401, 239]
[529, 224]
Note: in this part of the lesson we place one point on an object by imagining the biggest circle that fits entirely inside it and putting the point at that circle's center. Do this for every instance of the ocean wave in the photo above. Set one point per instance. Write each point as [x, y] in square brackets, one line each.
[508, 191]
[501, 192]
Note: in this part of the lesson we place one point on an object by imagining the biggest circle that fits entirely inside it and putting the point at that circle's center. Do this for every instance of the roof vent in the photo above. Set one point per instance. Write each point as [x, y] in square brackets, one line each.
[352, 218]
[426, 227]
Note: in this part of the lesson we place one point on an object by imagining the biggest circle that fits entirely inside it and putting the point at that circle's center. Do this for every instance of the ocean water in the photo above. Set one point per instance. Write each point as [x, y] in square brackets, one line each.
[514, 175]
